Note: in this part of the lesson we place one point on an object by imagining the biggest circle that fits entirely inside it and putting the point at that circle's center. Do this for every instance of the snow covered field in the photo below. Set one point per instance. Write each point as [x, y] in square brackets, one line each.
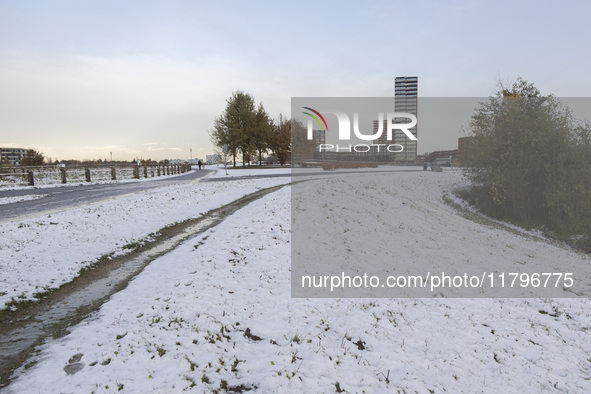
[396, 224]
[237, 172]
[216, 314]
[44, 252]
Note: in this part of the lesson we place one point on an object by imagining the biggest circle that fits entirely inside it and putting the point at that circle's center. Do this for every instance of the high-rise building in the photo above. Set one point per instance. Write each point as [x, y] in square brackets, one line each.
[320, 136]
[406, 100]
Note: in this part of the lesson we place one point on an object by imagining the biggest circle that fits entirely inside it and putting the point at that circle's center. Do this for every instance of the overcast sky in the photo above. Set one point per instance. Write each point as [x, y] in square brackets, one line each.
[81, 79]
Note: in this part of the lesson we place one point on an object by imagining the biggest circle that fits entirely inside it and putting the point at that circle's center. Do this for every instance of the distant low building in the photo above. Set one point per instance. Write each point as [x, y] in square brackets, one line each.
[422, 158]
[213, 159]
[442, 157]
[13, 156]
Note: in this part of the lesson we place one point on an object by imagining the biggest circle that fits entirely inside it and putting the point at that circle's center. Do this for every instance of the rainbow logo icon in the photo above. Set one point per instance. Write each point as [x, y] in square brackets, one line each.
[315, 118]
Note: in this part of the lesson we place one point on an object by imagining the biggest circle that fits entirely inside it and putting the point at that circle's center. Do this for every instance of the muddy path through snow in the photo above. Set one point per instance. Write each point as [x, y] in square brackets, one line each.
[24, 329]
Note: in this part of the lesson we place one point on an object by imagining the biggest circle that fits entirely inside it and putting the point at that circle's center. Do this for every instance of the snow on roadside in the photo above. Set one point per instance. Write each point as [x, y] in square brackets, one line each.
[44, 252]
[216, 314]
[238, 172]
[17, 199]
[315, 172]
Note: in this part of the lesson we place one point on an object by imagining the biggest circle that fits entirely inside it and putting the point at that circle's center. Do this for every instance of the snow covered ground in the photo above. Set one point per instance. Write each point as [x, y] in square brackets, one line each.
[317, 172]
[216, 314]
[237, 172]
[396, 225]
[40, 253]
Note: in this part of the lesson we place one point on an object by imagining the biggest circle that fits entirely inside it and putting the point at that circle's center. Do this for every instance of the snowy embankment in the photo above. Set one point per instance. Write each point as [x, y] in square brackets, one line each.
[216, 314]
[41, 253]
[248, 171]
